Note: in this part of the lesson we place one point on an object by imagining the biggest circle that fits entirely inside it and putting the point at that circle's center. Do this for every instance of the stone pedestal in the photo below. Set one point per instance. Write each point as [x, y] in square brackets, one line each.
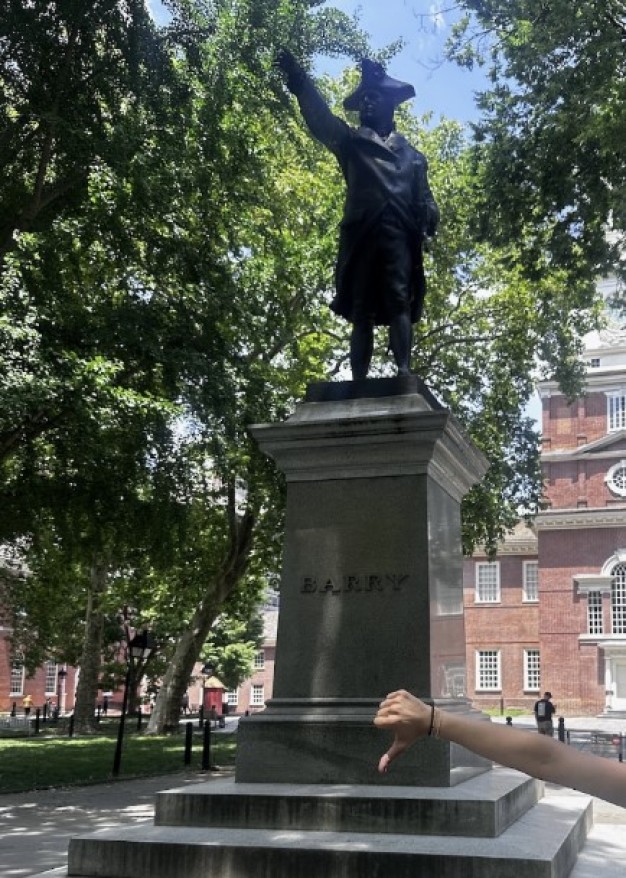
[371, 592]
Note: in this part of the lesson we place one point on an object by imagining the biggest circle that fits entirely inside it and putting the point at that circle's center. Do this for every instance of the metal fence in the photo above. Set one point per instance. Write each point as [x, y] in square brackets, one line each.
[609, 744]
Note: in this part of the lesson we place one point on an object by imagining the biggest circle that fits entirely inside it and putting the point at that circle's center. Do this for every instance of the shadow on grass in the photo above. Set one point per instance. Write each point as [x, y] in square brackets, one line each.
[39, 763]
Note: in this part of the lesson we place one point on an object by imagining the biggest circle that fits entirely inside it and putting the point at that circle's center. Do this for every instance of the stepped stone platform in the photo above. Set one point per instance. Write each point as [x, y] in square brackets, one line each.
[483, 808]
[496, 825]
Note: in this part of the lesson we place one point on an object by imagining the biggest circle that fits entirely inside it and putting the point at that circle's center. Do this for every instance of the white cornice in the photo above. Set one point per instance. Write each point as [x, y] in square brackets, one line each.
[566, 456]
[571, 519]
[598, 381]
[519, 547]
[611, 643]
[586, 582]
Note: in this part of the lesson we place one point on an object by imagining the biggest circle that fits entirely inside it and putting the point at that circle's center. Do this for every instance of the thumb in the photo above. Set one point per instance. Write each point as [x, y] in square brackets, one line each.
[399, 746]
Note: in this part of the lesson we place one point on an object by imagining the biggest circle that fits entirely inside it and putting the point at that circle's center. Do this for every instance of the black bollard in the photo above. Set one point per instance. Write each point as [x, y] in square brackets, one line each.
[620, 752]
[14, 709]
[201, 715]
[188, 742]
[561, 729]
[70, 727]
[37, 716]
[139, 719]
[44, 715]
[206, 747]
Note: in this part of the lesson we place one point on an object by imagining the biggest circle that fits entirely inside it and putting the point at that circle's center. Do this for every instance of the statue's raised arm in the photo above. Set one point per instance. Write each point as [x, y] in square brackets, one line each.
[388, 213]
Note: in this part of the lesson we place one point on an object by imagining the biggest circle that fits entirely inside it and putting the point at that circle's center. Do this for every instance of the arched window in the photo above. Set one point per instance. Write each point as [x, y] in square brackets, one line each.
[618, 598]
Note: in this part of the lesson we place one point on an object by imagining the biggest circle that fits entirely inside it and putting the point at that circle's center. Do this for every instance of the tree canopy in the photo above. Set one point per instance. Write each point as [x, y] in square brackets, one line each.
[166, 266]
[551, 130]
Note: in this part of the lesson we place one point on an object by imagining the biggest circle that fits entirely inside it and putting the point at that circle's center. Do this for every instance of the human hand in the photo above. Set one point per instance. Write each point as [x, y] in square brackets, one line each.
[407, 717]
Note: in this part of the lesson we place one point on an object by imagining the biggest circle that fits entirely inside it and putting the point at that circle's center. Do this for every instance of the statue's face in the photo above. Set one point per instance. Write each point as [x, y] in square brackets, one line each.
[375, 109]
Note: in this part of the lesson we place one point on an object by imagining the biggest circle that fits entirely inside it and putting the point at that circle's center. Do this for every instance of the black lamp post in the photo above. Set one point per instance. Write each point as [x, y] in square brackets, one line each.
[139, 648]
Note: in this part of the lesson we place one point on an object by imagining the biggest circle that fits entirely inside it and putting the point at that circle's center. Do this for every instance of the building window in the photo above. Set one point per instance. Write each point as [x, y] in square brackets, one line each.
[487, 582]
[530, 589]
[594, 363]
[17, 678]
[616, 479]
[51, 678]
[617, 411]
[532, 669]
[488, 670]
[259, 660]
[618, 599]
[232, 698]
[257, 697]
[595, 624]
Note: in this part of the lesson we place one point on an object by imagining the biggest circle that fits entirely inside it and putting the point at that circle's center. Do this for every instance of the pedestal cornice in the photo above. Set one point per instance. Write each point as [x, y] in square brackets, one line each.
[388, 436]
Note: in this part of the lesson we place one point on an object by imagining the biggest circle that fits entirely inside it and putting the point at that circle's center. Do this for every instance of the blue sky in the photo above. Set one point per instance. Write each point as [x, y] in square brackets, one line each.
[442, 88]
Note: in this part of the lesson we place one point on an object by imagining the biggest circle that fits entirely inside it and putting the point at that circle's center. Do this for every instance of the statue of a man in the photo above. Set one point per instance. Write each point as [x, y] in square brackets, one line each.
[389, 210]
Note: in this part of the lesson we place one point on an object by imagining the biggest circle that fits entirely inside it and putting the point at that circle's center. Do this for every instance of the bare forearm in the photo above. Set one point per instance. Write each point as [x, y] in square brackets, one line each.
[539, 756]
[409, 719]
[531, 753]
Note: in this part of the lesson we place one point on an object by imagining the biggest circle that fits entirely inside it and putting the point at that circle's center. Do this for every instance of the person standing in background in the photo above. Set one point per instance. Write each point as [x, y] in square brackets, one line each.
[544, 711]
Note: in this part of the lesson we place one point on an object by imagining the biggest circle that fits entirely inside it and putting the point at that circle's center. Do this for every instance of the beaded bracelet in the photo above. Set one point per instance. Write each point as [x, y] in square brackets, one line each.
[437, 724]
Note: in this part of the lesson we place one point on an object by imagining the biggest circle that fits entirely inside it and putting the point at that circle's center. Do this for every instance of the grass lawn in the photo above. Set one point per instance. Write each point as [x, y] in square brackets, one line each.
[36, 763]
[509, 711]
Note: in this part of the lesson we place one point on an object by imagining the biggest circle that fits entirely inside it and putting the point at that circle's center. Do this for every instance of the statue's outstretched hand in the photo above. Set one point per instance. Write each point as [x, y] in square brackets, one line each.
[294, 73]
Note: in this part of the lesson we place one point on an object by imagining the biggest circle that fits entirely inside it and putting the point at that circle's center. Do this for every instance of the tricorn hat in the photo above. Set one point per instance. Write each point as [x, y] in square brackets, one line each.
[373, 76]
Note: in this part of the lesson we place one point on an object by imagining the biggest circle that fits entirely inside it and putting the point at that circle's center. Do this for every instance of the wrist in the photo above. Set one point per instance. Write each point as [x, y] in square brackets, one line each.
[436, 721]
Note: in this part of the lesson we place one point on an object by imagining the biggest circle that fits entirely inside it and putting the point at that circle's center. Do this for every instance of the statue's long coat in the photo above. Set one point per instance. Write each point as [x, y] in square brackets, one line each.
[379, 173]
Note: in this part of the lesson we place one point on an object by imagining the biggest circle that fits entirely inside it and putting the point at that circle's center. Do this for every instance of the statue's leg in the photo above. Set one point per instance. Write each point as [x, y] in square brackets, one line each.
[361, 348]
[400, 340]
[398, 272]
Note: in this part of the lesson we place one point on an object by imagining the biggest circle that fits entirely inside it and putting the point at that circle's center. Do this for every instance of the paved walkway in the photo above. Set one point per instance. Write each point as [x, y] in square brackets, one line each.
[35, 827]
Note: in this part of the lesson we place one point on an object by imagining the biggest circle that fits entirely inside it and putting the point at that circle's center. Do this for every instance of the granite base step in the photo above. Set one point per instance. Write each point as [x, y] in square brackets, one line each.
[544, 843]
[481, 807]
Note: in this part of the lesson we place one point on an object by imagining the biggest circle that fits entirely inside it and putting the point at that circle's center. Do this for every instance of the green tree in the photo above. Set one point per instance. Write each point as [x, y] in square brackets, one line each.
[550, 131]
[136, 308]
[235, 638]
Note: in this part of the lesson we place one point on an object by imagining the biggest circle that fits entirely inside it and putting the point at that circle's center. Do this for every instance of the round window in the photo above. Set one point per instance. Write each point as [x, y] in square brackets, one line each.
[616, 479]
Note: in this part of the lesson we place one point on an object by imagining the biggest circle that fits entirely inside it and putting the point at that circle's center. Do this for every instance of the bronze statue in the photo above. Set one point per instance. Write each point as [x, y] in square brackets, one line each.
[388, 214]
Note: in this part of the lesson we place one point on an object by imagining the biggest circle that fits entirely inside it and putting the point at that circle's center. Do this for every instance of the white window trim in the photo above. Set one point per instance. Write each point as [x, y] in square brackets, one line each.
[52, 691]
[525, 598]
[600, 616]
[255, 702]
[496, 688]
[609, 477]
[259, 660]
[493, 565]
[618, 394]
[232, 697]
[527, 685]
[13, 693]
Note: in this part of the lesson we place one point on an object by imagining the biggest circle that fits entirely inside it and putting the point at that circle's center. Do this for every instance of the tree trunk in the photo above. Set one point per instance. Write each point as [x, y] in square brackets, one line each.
[91, 657]
[166, 714]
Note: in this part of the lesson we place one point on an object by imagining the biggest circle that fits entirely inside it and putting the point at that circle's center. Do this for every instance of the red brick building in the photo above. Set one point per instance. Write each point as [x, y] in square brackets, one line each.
[550, 611]
[53, 684]
[254, 692]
